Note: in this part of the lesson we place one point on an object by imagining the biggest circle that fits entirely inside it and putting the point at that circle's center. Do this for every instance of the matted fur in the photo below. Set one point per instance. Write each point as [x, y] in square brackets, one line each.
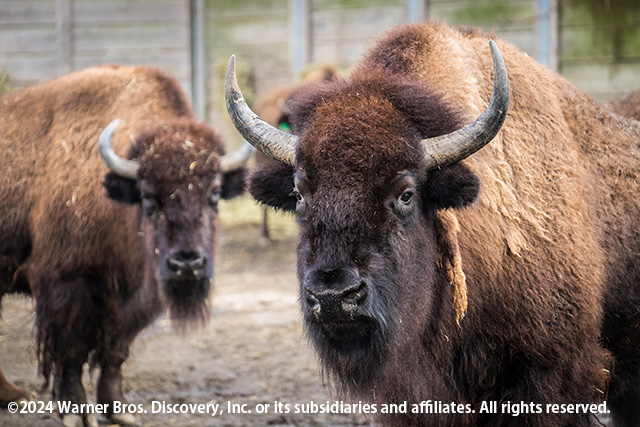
[549, 249]
[449, 259]
[94, 259]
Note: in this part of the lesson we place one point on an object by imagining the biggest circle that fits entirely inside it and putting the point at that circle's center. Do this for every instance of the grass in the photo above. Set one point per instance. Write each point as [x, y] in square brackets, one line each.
[5, 82]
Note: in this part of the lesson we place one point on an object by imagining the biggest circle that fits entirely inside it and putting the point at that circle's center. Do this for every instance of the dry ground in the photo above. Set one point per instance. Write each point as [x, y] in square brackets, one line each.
[253, 350]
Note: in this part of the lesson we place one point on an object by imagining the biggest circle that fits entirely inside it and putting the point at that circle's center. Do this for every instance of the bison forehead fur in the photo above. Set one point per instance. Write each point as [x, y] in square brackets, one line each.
[391, 113]
[533, 239]
[177, 150]
[176, 153]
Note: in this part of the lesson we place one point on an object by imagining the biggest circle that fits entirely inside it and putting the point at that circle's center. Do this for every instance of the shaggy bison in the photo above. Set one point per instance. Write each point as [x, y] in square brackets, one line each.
[102, 267]
[448, 279]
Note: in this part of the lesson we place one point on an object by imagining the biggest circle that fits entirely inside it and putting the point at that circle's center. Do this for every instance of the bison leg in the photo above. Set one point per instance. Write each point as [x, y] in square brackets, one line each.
[66, 330]
[68, 387]
[125, 324]
[129, 320]
[9, 392]
[110, 389]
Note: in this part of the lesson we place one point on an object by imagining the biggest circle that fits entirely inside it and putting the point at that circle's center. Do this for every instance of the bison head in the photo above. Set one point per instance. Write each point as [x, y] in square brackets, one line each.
[371, 163]
[177, 178]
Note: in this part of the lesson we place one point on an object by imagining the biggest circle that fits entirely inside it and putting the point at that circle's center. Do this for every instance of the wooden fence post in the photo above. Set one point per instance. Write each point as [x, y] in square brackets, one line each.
[64, 29]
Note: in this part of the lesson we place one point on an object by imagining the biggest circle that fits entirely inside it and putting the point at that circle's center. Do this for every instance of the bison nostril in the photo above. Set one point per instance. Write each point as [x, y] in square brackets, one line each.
[198, 263]
[182, 261]
[175, 265]
[332, 302]
[354, 295]
[311, 298]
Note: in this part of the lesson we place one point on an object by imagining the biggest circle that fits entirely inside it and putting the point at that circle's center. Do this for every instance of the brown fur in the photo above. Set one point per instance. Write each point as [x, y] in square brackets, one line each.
[97, 267]
[549, 250]
[450, 260]
[628, 105]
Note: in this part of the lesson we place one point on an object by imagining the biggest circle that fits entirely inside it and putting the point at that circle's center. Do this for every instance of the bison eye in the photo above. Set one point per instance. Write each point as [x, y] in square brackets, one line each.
[403, 205]
[403, 196]
[300, 187]
[299, 201]
[149, 205]
[406, 197]
[215, 196]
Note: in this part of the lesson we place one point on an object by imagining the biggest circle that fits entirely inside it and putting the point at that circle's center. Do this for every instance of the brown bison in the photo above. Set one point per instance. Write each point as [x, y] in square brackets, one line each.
[100, 269]
[448, 279]
[272, 107]
[628, 105]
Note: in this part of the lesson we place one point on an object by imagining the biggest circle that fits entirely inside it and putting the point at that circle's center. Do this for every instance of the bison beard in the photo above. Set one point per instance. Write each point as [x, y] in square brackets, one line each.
[188, 301]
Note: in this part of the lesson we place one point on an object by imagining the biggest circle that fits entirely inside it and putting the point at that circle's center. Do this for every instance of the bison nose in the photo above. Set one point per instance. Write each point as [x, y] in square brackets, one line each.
[186, 261]
[334, 292]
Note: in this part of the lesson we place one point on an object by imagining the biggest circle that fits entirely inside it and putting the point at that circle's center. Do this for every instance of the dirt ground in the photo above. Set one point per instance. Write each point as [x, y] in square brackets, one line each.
[253, 351]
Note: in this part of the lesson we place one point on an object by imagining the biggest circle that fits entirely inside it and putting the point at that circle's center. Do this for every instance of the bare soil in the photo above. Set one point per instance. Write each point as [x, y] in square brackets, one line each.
[252, 352]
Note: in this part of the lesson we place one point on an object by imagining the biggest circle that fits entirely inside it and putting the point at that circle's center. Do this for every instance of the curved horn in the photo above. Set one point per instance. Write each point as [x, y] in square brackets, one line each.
[444, 150]
[273, 142]
[234, 160]
[123, 167]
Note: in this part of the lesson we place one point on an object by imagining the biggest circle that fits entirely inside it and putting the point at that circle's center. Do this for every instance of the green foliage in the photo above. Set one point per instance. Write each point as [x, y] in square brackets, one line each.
[488, 13]
[5, 82]
[615, 25]
[323, 4]
[242, 211]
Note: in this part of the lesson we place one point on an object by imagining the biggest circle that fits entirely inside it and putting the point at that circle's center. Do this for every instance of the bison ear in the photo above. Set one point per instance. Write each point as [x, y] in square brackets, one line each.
[455, 186]
[233, 183]
[272, 185]
[121, 189]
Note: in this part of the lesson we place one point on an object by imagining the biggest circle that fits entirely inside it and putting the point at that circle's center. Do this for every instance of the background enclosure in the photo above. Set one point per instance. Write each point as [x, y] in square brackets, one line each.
[594, 43]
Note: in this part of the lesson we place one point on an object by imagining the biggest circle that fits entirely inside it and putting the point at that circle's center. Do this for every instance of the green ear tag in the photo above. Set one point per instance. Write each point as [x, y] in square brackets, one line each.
[285, 127]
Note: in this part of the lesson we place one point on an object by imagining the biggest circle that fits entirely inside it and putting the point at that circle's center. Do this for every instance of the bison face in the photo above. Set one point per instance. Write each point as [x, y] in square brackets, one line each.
[371, 162]
[179, 224]
[178, 183]
[366, 206]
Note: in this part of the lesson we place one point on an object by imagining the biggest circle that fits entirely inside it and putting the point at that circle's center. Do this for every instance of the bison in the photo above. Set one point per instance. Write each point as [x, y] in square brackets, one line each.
[447, 276]
[272, 107]
[102, 265]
